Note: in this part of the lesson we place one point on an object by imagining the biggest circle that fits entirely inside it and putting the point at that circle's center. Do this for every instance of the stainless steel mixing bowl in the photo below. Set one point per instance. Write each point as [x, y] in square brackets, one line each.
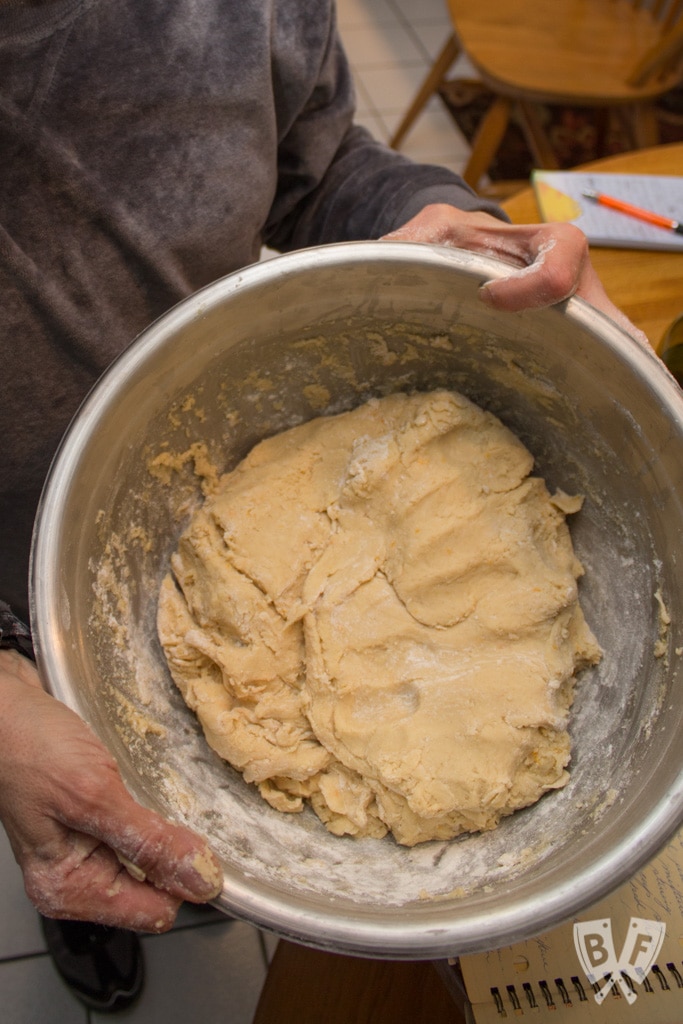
[320, 331]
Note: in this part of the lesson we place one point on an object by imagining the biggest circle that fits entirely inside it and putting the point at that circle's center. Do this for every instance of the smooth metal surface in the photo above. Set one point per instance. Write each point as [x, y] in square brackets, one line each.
[322, 330]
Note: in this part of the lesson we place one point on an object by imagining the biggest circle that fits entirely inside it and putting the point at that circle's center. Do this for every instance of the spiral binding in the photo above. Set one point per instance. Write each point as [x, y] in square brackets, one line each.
[544, 995]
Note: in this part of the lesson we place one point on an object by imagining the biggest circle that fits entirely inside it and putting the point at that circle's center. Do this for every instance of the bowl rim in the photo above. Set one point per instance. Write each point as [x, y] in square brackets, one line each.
[289, 916]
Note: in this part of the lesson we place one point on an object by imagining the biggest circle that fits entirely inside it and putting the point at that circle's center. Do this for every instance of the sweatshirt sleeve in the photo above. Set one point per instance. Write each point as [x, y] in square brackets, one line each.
[337, 183]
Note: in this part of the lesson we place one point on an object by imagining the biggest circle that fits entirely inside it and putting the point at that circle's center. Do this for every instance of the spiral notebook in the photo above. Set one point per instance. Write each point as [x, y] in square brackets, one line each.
[545, 978]
[560, 197]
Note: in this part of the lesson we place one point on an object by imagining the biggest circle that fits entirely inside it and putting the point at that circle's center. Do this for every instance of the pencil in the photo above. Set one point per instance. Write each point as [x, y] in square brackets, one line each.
[635, 211]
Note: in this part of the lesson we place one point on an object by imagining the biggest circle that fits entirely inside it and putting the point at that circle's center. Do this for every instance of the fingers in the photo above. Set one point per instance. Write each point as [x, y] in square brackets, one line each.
[71, 822]
[168, 856]
[89, 884]
[548, 262]
[105, 858]
[555, 264]
[561, 268]
[131, 868]
[117, 863]
[151, 852]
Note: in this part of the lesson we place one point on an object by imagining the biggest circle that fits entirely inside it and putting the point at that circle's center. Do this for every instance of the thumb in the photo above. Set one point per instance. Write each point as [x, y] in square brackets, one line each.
[151, 848]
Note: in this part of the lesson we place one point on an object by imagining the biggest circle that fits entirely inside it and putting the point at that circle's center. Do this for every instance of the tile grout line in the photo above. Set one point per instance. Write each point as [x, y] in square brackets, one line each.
[433, 145]
[20, 957]
[408, 26]
[356, 68]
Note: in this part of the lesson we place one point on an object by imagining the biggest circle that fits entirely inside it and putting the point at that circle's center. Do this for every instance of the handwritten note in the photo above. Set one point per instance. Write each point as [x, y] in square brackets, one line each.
[544, 976]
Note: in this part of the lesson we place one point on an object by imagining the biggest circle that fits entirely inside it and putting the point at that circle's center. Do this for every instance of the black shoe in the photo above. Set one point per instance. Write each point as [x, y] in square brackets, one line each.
[102, 966]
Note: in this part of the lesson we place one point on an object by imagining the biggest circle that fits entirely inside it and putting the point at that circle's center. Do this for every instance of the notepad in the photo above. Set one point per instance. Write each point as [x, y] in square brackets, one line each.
[543, 979]
[559, 195]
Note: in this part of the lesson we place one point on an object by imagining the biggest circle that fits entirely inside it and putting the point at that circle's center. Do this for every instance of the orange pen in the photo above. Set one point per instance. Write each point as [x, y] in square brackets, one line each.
[634, 211]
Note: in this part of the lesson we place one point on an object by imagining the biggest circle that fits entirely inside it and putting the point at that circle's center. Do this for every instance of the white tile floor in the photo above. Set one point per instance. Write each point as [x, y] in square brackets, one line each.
[210, 969]
[392, 45]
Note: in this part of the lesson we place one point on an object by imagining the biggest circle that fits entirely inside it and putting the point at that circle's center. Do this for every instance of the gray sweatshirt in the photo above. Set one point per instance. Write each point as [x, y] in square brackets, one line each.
[147, 148]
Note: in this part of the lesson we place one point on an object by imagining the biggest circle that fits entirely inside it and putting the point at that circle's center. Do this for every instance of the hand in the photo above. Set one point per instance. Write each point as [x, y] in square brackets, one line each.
[551, 261]
[69, 818]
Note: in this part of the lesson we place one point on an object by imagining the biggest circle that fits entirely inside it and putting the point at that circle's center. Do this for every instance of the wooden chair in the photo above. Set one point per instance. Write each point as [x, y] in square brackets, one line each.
[618, 54]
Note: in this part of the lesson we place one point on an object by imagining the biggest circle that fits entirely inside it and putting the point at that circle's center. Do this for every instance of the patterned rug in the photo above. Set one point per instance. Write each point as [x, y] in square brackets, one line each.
[577, 134]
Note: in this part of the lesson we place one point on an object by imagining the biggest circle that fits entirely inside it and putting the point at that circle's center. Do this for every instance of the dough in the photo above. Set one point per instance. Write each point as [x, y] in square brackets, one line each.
[377, 612]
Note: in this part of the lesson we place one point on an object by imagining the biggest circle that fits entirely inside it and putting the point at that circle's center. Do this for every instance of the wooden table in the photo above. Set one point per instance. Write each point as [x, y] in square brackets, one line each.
[307, 986]
[647, 286]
